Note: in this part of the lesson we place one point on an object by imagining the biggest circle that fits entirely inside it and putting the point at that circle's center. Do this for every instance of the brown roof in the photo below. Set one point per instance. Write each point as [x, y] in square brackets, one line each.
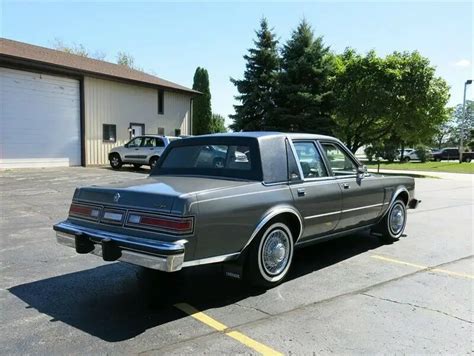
[42, 55]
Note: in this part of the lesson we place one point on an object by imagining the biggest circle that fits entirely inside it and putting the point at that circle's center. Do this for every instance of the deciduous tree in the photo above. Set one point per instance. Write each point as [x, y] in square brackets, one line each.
[362, 90]
[217, 124]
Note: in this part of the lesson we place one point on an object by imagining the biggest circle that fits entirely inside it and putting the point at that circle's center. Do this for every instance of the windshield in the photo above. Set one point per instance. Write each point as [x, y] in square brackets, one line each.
[236, 161]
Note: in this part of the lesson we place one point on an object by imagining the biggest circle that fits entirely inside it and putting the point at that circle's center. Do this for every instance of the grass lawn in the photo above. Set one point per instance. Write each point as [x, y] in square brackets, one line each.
[451, 167]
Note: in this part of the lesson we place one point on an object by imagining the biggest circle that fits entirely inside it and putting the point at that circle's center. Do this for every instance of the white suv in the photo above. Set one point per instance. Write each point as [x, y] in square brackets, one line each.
[139, 151]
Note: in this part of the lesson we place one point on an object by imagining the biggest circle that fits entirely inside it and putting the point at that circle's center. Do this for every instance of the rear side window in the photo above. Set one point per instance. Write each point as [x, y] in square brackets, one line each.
[311, 162]
[159, 142]
[148, 142]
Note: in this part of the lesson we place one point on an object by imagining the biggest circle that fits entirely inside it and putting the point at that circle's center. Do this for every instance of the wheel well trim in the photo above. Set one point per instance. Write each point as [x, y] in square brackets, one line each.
[114, 153]
[397, 192]
[273, 213]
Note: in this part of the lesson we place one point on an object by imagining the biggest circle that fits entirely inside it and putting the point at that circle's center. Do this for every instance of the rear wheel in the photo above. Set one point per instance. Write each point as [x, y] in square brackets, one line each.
[153, 161]
[270, 256]
[394, 222]
[467, 159]
[115, 161]
[406, 159]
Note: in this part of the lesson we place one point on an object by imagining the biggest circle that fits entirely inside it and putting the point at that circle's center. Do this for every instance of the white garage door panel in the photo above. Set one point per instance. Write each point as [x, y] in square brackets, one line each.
[40, 120]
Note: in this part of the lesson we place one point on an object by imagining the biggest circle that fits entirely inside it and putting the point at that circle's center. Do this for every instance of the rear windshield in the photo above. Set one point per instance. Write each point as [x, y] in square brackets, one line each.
[235, 161]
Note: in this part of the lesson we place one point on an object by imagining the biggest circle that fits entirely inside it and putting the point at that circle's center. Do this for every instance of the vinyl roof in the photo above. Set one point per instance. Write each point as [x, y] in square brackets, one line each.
[262, 134]
[10, 49]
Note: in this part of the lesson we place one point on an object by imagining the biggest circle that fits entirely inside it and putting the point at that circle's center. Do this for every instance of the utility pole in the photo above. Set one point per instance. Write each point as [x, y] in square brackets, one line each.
[463, 118]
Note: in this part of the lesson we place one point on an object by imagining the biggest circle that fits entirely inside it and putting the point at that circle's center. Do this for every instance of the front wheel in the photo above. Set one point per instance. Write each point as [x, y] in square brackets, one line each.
[467, 159]
[394, 222]
[115, 161]
[270, 256]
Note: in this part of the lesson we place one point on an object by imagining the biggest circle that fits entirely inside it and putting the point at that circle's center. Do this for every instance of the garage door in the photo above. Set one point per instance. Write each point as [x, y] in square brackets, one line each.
[40, 120]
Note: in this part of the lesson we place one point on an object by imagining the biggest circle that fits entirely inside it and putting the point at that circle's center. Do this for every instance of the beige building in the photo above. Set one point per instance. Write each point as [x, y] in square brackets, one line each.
[59, 109]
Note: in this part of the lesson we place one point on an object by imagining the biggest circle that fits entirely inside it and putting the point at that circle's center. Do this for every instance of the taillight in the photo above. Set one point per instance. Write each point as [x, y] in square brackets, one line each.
[161, 223]
[89, 212]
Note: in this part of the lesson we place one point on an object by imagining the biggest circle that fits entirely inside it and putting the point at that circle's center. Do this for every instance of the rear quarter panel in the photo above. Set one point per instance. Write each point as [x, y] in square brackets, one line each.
[226, 219]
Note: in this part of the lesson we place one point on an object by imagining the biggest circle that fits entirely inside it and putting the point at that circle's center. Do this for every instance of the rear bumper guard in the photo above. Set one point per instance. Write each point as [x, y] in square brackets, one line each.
[158, 255]
[413, 203]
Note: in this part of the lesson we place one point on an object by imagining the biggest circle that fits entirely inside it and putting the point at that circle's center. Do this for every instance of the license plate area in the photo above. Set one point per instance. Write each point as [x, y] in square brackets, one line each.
[113, 216]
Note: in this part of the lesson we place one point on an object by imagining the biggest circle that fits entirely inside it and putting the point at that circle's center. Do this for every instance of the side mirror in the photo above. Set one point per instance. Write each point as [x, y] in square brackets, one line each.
[361, 171]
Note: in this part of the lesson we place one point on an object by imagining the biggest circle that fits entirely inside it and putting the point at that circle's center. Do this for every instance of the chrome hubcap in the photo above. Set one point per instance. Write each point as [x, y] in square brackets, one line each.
[275, 252]
[397, 219]
[115, 161]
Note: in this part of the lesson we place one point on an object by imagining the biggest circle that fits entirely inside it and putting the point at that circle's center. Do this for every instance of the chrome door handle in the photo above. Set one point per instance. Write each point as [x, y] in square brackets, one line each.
[345, 185]
[301, 192]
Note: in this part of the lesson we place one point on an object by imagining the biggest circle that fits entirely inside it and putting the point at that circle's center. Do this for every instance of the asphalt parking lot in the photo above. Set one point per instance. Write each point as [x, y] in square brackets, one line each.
[347, 296]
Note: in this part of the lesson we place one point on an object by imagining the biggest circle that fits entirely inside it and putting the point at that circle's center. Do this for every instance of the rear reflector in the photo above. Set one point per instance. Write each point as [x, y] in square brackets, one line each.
[160, 222]
[84, 211]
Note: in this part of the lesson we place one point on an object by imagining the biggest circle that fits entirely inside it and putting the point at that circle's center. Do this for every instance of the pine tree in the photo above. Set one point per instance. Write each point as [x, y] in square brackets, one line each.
[256, 90]
[202, 113]
[304, 98]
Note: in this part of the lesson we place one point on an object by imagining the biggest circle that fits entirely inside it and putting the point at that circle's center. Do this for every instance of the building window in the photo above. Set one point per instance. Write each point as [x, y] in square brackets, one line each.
[177, 132]
[109, 133]
[161, 131]
[161, 99]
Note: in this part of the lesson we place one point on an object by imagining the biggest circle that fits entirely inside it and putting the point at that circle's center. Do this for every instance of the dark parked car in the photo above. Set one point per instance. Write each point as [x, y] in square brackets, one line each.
[451, 154]
[264, 196]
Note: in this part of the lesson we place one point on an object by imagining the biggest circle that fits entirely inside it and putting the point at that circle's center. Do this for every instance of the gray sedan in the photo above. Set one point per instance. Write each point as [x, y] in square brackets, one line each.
[246, 200]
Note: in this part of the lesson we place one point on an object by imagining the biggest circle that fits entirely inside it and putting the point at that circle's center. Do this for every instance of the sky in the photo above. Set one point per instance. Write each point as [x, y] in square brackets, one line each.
[171, 39]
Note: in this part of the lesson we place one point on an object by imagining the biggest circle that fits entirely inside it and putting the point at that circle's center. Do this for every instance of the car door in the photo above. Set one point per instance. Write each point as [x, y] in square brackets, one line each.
[316, 194]
[132, 150]
[159, 146]
[362, 198]
[148, 149]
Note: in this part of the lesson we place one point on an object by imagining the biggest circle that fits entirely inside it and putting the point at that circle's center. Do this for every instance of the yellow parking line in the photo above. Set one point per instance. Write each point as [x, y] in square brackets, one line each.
[439, 270]
[205, 319]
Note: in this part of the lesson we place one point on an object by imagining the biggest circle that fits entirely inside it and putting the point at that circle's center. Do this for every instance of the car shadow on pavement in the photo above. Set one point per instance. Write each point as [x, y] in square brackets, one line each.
[116, 302]
[143, 170]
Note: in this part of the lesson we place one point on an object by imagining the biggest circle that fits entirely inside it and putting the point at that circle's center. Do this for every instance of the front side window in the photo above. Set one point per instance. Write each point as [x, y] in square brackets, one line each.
[109, 133]
[136, 142]
[339, 161]
[310, 160]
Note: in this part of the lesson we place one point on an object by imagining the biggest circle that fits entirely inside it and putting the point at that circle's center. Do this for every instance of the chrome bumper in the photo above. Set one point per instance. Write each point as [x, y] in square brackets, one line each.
[158, 255]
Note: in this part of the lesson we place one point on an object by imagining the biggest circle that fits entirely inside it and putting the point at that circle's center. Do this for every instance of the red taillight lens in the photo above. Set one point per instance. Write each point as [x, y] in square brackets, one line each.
[162, 223]
[84, 211]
